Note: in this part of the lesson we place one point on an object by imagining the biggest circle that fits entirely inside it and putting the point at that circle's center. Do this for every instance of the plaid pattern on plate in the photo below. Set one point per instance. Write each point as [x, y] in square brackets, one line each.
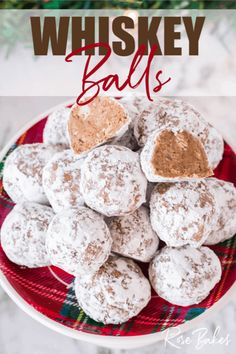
[42, 289]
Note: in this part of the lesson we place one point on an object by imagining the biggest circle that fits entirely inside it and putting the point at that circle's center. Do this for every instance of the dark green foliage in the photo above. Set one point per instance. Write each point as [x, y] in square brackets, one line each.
[137, 4]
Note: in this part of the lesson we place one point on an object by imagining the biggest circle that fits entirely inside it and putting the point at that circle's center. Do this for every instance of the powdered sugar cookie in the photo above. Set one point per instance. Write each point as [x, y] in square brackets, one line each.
[117, 292]
[167, 113]
[55, 131]
[225, 225]
[184, 276]
[22, 175]
[128, 140]
[174, 155]
[112, 182]
[182, 213]
[61, 181]
[133, 236]
[95, 123]
[23, 234]
[134, 105]
[78, 241]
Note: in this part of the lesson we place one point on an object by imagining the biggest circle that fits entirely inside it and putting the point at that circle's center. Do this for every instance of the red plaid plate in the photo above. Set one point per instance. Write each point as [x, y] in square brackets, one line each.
[47, 293]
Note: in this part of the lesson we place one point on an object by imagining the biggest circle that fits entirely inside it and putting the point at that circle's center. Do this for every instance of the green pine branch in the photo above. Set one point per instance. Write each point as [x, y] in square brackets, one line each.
[138, 4]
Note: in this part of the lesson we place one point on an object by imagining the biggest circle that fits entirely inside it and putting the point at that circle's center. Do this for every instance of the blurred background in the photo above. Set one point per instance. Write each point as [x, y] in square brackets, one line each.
[138, 4]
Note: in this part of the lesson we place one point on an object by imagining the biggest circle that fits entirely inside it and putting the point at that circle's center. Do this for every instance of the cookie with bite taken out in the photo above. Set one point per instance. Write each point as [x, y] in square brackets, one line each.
[96, 123]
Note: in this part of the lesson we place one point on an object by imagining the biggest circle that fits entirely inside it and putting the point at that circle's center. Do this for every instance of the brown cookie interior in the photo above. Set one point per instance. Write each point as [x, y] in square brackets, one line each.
[95, 123]
[179, 155]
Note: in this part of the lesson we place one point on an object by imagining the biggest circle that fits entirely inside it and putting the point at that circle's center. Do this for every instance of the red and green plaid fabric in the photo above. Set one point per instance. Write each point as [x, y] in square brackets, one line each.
[40, 289]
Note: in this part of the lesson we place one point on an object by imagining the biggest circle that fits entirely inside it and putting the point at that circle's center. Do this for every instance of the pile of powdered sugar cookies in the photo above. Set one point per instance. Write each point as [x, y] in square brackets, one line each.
[111, 179]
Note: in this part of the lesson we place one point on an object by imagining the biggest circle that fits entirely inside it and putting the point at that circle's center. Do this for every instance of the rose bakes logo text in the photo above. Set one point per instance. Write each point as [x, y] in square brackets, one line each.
[147, 44]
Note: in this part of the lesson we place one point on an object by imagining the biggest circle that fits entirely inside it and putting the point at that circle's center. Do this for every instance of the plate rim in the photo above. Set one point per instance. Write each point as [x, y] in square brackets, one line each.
[115, 342]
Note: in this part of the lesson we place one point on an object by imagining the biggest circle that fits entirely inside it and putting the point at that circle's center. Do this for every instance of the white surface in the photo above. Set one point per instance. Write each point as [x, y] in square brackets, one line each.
[19, 334]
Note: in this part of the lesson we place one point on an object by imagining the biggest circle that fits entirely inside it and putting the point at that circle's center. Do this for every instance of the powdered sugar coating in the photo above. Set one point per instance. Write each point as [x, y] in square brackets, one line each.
[78, 241]
[112, 182]
[127, 139]
[184, 276]
[225, 225]
[134, 105]
[148, 153]
[23, 234]
[61, 180]
[168, 113]
[133, 235]
[55, 131]
[182, 213]
[22, 175]
[116, 293]
[120, 132]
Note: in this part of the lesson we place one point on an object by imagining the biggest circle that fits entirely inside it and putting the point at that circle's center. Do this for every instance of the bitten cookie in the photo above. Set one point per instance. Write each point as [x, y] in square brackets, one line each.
[167, 113]
[174, 155]
[55, 131]
[117, 292]
[112, 182]
[184, 276]
[78, 241]
[182, 213]
[23, 234]
[133, 236]
[95, 123]
[61, 181]
[225, 225]
[22, 174]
